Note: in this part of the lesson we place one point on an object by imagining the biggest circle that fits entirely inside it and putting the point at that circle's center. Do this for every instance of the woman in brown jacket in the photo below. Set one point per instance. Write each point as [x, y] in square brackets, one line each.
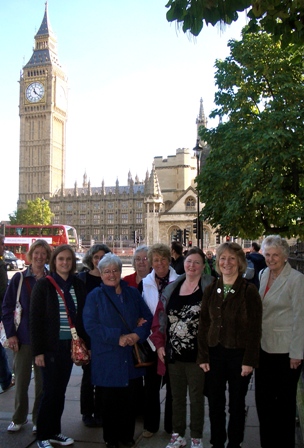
[228, 343]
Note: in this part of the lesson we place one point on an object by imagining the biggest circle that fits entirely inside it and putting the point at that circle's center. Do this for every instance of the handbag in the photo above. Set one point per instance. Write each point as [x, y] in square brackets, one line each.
[143, 355]
[17, 316]
[79, 352]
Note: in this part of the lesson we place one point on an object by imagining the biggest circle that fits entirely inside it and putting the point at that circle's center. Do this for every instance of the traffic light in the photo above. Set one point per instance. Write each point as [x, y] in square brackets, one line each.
[195, 226]
[179, 234]
[137, 239]
[218, 239]
[134, 236]
[186, 235]
[174, 237]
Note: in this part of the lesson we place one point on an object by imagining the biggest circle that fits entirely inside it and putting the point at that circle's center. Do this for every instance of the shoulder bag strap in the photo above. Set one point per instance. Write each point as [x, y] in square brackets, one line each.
[121, 316]
[19, 288]
[60, 292]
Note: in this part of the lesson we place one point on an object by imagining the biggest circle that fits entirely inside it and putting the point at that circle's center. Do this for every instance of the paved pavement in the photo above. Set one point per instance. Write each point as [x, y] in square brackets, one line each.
[92, 437]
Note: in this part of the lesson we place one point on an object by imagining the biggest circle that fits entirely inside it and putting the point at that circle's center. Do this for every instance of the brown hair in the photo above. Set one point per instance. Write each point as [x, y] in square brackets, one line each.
[44, 245]
[57, 252]
[235, 249]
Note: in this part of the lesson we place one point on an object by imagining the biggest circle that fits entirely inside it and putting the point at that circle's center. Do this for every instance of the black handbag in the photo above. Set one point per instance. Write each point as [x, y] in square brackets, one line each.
[143, 355]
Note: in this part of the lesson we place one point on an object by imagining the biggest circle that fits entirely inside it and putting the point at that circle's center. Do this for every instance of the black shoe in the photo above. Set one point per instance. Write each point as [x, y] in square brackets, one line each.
[89, 421]
[112, 445]
[98, 422]
[129, 444]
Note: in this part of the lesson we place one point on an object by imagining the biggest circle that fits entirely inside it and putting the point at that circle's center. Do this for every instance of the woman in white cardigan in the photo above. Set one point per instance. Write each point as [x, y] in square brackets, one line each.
[282, 345]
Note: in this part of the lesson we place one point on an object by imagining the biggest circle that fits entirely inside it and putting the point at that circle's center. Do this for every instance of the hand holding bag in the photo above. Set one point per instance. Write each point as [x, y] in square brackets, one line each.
[79, 352]
[17, 315]
[143, 355]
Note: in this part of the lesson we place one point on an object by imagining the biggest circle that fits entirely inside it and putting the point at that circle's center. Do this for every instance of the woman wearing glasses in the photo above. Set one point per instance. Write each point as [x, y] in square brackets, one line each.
[141, 267]
[107, 309]
[90, 395]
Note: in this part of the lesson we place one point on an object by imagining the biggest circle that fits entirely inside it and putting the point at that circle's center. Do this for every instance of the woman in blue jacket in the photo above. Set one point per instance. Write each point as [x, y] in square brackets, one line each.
[111, 344]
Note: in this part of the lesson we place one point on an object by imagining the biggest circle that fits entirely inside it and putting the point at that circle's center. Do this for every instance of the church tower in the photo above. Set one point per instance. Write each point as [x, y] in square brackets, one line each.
[43, 116]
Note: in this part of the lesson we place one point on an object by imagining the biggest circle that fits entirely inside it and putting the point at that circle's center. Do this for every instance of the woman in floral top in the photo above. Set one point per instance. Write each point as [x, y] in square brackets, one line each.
[175, 327]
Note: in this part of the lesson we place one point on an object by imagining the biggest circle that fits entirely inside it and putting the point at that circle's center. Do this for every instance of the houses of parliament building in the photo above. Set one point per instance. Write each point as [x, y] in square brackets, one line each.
[155, 207]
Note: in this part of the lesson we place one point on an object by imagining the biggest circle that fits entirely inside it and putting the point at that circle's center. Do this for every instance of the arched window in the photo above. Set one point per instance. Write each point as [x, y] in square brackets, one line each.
[190, 203]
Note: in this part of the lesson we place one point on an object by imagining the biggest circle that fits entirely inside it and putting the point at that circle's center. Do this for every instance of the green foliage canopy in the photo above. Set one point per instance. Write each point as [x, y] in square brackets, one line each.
[284, 19]
[36, 212]
[253, 180]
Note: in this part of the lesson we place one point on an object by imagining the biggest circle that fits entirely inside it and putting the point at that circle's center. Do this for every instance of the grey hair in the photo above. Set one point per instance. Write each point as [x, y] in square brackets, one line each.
[137, 250]
[109, 259]
[275, 241]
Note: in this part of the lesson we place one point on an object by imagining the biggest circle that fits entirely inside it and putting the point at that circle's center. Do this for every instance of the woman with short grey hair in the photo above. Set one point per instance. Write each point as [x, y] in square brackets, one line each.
[141, 266]
[282, 344]
[111, 315]
[90, 395]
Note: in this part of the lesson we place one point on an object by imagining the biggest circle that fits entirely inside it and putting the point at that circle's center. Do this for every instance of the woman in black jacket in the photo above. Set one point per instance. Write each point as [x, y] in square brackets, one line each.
[51, 340]
[228, 343]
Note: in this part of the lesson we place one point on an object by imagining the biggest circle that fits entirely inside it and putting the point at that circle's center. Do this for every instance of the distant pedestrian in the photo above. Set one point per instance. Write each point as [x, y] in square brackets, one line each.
[258, 261]
[6, 378]
[177, 260]
[282, 345]
[228, 343]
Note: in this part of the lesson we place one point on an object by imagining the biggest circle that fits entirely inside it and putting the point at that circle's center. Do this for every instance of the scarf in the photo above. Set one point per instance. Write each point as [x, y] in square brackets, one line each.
[66, 285]
[162, 283]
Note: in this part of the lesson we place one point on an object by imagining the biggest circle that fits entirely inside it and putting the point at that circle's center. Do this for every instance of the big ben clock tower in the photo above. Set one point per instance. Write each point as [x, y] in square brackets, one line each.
[43, 116]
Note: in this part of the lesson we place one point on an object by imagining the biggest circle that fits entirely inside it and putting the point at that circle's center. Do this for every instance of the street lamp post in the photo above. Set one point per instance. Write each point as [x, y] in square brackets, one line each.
[199, 232]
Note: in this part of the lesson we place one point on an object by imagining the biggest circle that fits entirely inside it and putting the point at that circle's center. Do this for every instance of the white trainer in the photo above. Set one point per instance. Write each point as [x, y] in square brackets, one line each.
[176, 441]
[14, 427]
[196, 443]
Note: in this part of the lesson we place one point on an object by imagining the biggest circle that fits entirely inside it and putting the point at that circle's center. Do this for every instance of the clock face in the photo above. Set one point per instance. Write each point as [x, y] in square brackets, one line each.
[35, 92]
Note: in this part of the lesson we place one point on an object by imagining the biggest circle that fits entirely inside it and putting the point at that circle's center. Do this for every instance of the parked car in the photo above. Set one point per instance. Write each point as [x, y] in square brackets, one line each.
[12, 262]
[79, 264]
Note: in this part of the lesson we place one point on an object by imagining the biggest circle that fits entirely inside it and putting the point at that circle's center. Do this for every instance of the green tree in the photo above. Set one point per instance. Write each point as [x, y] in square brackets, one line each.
[253, 180]
[284, 19]
[36, 212]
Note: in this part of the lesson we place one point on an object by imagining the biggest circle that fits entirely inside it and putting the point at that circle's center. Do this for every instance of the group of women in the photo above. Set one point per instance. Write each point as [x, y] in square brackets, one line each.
[208, 332]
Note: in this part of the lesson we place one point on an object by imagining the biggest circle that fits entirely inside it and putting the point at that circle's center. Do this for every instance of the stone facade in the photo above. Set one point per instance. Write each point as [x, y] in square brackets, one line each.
[156, 207]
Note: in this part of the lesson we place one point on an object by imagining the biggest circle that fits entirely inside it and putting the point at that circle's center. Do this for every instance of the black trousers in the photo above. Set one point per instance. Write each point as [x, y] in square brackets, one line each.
[275, 394]
[152, 385]
[225, 367]
[90, 395]
[55, 375]
[118, 412]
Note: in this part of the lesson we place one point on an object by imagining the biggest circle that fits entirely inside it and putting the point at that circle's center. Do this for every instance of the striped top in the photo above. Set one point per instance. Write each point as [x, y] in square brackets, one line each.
[65, 330]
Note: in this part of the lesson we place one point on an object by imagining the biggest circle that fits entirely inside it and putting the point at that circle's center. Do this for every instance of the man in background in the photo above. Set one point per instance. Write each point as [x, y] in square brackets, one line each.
[258, 261]
[177, 260]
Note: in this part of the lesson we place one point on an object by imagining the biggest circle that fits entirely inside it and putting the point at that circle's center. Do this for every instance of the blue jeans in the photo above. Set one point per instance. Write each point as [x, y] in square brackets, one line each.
[5, 373]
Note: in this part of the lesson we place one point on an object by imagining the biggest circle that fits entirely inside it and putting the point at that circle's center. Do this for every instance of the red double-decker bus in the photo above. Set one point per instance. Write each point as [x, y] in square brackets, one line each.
[19, 238]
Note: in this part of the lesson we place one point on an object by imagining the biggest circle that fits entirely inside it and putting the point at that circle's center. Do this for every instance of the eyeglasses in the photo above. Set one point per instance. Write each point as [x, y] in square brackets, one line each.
[108, 271]
[139, 259]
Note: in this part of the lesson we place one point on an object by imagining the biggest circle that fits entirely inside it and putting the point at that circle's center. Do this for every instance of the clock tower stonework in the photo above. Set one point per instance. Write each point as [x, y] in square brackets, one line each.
[43, 117]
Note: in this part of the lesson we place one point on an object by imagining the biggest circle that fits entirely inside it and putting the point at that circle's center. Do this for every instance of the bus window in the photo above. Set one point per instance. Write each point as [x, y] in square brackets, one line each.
[46, 231]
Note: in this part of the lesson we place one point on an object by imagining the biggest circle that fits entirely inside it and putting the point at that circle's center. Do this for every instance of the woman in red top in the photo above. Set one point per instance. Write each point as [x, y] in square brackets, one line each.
[141, 266]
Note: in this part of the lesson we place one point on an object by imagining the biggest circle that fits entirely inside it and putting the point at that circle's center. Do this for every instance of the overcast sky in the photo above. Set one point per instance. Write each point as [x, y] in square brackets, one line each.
[135, 84]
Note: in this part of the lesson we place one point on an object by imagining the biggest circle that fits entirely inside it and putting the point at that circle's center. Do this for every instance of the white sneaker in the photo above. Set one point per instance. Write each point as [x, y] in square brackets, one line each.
[14, 427]
[176, 441]
[196, 443]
